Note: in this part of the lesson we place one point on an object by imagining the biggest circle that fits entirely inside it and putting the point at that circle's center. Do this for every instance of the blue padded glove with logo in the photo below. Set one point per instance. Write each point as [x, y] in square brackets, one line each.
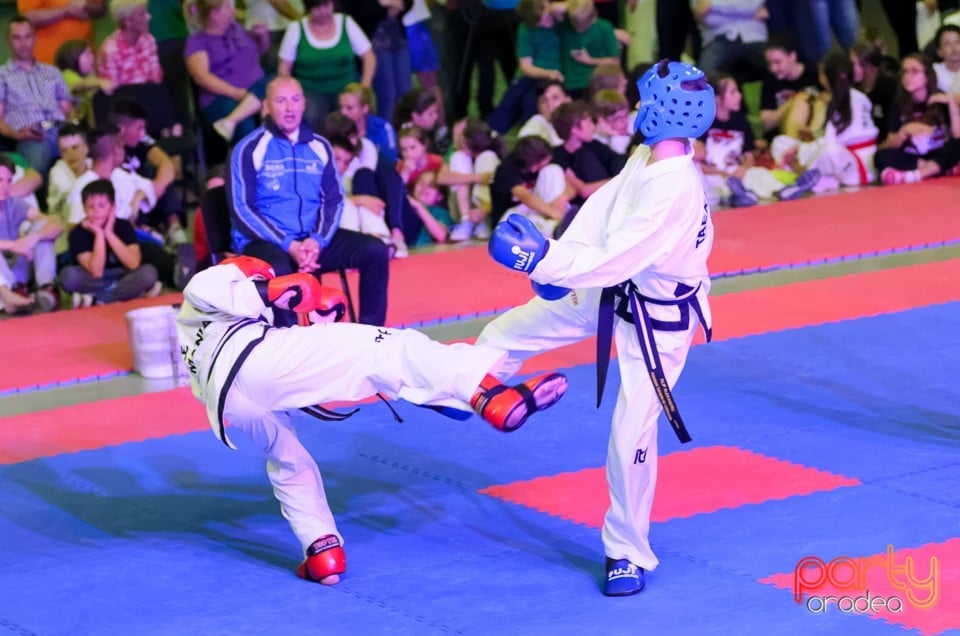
[518, 244]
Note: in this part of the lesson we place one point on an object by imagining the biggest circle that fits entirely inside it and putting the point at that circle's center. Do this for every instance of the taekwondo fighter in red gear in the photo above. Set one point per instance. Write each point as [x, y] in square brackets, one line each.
[632, 265]
[250, 374]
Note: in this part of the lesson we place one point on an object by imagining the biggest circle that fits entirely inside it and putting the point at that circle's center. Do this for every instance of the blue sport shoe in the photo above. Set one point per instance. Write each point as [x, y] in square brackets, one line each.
[804, 184]
[740, 197]
[623, 578]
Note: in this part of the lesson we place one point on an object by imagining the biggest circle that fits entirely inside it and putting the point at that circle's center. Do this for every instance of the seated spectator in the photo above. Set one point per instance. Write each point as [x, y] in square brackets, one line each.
[415, 157]
[421, 108]
[26, 242]
[527, 183]
[588, 41]
[733, 34]
[224, 61]
[26, 180]
[144, 157]
[842, 142]
[34, 99]
[587, 163]
[551, 95]
[76, 61]
[613, 120]
[538, 55]
[134, 197]
[133, 194]
[109, 265]
[320, 50]
[872, 78]
[363, 213]
[371, 186]
[786, 77]
[727, 160]
[129, 54]
[606, 77]
[948, 48]
[74, 161]
[265, 188]
[355, 102]
[924, 127]
[426, 200]
[478, 153]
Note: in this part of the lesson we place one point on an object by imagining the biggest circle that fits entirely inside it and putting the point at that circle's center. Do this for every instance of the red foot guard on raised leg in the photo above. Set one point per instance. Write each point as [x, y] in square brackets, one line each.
[508, 407]
[325, 561]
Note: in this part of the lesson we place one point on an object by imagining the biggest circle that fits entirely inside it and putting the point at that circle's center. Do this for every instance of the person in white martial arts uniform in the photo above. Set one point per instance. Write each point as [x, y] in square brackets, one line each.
[250, 374]
[633, 262]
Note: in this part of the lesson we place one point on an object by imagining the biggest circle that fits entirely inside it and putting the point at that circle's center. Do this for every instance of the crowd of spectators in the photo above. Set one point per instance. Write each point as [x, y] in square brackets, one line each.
[346, 139]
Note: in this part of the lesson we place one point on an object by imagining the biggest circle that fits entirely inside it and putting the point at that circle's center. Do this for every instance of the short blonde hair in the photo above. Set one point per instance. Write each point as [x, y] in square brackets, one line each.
[362, 92]
[121, 9]
[581, 12]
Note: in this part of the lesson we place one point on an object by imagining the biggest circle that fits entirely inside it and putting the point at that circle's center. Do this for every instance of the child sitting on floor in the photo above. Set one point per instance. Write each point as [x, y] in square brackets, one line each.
[425, 200]
[21, 251]
[727, 161]
[105, 247]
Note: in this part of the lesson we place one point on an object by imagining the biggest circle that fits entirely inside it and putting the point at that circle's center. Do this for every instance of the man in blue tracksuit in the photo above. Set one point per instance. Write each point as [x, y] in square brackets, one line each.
[286, 203]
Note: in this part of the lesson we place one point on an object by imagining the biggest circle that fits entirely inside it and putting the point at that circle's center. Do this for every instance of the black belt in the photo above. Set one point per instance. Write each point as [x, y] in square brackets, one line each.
[626, 301]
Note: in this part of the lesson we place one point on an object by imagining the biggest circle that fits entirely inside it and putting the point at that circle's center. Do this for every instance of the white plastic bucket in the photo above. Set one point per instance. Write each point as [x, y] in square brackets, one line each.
[153, 341]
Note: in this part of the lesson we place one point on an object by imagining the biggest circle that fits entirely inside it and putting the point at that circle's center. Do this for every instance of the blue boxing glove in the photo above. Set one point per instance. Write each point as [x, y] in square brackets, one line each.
[518, 244]
[549, 292]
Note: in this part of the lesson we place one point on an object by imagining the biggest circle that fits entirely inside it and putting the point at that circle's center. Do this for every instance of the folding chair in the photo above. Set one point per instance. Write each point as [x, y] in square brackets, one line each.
[215, 211]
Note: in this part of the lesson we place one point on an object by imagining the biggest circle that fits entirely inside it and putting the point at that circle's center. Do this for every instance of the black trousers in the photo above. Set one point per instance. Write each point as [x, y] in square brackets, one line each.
[947, 156]
[346, 250]
[674, 23]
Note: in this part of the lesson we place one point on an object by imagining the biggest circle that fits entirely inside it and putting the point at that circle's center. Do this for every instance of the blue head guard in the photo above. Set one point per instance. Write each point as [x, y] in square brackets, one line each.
[675, 102]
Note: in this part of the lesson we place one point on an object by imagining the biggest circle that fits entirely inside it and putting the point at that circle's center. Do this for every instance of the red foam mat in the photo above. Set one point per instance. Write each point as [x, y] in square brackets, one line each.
[733, 478]
[98, 424]
[826, 228]
[63, 347]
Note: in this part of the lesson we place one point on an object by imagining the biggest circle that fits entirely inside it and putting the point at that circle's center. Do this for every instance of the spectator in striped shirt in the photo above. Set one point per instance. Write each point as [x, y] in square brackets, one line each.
[34, 99]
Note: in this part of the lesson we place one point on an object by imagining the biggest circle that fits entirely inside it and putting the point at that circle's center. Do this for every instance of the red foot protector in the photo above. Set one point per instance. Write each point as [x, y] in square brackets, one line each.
[918, 588]
[690, 482]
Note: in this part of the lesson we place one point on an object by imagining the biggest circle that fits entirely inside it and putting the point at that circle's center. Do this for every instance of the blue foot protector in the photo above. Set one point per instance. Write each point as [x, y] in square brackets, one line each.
[623, 578]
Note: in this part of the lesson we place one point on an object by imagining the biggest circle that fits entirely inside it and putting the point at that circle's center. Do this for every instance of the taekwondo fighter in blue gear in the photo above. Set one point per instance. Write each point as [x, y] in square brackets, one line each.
[251, 374]
[632, 265]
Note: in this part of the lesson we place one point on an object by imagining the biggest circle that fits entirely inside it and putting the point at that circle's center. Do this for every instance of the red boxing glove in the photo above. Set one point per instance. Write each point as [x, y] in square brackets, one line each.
[251, 267]
[303, 293]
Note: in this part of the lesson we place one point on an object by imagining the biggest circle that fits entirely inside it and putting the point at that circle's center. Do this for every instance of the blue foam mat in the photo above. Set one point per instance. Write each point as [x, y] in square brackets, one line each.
[180, 535]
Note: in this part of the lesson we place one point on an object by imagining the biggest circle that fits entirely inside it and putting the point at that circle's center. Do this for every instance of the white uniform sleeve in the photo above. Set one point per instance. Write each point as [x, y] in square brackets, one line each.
[639, 242]
[288, 45]
[359, 41]
[74, 200]
[224, 292]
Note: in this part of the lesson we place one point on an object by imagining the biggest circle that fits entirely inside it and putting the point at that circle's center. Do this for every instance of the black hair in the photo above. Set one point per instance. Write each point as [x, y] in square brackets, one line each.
[838, 69]
[99, 187]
